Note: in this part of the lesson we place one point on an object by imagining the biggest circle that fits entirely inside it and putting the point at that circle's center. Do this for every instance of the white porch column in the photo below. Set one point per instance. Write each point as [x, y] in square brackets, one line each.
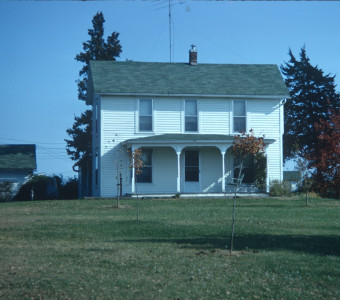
[223, 150]
[267, 167]
[133, 180]
[178, 151]
[178, 172]
[223, 171]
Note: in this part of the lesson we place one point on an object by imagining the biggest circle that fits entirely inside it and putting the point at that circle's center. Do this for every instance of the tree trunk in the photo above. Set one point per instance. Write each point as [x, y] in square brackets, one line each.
[119, 187]
[137, 209]
[234, 209]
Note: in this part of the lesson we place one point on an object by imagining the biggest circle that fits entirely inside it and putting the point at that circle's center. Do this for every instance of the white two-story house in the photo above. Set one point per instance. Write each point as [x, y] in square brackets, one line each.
[184, 117]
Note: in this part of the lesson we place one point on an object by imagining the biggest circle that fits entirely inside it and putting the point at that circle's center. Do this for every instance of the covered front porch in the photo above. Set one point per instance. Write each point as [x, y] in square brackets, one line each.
[185, 164]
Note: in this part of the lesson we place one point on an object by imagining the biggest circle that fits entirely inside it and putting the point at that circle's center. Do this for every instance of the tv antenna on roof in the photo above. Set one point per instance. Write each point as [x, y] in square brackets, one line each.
[170, 42]
[170, 6]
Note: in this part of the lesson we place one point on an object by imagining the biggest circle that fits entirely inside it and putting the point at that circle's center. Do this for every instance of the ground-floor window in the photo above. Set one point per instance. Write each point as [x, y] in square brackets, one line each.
[254, 169]
[247, 169]
[191, 165]
[146, 174]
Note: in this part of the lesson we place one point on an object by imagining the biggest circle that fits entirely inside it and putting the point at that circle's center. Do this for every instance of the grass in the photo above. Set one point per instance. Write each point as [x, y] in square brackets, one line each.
[86, 249]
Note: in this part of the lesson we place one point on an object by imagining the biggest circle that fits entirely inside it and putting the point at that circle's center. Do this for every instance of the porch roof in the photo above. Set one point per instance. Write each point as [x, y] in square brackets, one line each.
[185, 139]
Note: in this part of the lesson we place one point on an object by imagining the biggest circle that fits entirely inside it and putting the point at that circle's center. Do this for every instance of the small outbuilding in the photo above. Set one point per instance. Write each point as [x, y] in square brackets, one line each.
[17, 164]
[294, 179]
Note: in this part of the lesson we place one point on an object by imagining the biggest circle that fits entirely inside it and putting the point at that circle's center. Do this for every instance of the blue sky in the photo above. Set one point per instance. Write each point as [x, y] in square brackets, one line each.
[39, 40]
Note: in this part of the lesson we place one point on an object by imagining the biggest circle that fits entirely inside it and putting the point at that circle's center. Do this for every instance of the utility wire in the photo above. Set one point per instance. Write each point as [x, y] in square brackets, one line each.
[17, 140]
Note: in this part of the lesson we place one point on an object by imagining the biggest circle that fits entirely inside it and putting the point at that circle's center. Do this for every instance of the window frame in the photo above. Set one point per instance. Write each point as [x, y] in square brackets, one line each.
[140, 115]
[192, 167]
[245, 169]
[245, 116]
[150, 150]
[191, 116]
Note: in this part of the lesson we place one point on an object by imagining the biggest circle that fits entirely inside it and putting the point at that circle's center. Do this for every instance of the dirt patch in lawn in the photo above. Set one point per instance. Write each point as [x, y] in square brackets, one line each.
[117, 207]
[226, 252]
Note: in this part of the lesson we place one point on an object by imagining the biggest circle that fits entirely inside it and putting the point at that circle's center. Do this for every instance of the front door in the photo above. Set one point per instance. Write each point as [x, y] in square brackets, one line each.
[192, 171]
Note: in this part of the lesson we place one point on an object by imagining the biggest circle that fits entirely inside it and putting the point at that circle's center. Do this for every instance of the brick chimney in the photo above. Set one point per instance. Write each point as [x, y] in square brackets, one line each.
[193, 56]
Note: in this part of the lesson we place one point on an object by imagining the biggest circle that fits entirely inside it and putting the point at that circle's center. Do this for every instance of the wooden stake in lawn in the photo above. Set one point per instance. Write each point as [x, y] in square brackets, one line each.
[118, 161]
[136, 166]
[243, 145]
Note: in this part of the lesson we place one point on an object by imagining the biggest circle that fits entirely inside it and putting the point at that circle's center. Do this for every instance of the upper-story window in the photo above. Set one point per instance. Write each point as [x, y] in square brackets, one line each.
[240, 116]
[191, 120]
[145, 115]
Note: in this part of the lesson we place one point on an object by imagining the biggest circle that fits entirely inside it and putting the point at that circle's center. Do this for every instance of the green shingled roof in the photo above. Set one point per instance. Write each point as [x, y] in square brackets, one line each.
[17, 157]
[184, 79]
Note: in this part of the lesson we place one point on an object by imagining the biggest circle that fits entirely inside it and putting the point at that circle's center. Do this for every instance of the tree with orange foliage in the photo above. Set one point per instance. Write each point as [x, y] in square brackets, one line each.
[326, 159]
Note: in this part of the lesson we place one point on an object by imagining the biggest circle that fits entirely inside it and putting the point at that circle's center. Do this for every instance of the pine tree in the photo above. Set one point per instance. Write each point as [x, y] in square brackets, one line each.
[96, 49]
[312, 95]
[79, 146]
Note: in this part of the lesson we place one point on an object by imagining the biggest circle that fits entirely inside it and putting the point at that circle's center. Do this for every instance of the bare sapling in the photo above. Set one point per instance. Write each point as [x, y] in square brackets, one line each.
[136, 165]
[243, 145]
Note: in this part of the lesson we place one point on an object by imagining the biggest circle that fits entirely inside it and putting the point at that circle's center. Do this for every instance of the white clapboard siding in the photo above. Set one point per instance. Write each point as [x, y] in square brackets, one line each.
[118, 125]
[264, 119]
[164, 173]
[118, 117]
[214, 116]
[274, 162]
[167, 115]
[96, 121]
[211, 170]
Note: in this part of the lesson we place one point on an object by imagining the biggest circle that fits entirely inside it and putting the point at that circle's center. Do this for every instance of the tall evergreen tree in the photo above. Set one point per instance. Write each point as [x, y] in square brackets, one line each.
[81, 132]
[312, 95]
[96, 48]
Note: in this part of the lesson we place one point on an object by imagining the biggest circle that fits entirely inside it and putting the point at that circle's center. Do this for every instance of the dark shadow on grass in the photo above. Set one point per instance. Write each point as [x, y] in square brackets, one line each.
[313, 244]
[321, 245]
[195, 237]
[268, 205]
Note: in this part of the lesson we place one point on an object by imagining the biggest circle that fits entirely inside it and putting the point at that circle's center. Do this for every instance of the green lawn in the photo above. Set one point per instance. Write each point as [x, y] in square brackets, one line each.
[85, 249]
